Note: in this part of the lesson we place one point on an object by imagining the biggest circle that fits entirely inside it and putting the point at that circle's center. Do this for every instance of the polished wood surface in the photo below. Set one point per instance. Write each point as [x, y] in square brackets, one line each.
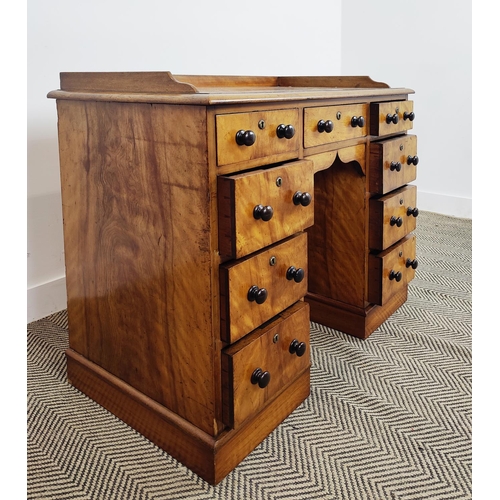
[267, 270]
[387, 154]
[239, 232]
[379, 112]
[267, 348]
[138, 248]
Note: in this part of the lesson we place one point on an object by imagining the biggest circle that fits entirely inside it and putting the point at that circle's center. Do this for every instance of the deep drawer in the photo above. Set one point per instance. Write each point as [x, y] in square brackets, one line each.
[393, 163]
[255, 289]
[261, 207]
[265, 362]
[392, 216]
[326, 124]
[391, 117]
[258, 134]
[391, 270]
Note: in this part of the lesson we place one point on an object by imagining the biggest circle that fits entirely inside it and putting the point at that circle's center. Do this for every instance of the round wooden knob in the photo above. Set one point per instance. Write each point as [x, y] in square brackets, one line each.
[285, 131]
[257, 294]
[412, 211]
[392, 118]
[298, 348]
[412, 263]
[395, 276]
[357, 121]
[409, 116]
[395, 165]
[245, 137]
[262, 212]
[294, 274]
[396, 221]
[260, 377]
[325, 126]
[300, 198]
[412, 159]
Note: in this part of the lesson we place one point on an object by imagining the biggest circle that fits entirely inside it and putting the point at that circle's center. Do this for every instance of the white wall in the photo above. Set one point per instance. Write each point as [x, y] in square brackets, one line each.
[197, 37]
[425, 45]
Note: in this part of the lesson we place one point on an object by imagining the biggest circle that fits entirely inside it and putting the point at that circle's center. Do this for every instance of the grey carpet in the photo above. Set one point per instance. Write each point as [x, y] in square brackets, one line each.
[388, 418]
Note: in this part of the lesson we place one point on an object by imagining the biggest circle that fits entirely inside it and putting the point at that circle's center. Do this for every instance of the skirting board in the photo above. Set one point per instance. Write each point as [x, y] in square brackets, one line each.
[445, 205]
[46, 299]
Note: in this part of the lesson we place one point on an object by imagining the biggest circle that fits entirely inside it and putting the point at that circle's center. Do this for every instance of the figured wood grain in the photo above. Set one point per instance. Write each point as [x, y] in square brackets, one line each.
[267, 348]
[241, 316]
[267, 143]
[379, 112]
[394, 204]
[381, 288]
[342, 128]
[138, 248]
[381, 178]
[337, 241]
[239, 232]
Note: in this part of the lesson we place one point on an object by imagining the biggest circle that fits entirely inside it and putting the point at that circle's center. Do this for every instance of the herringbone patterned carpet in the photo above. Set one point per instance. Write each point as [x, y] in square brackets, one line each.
[389, 418]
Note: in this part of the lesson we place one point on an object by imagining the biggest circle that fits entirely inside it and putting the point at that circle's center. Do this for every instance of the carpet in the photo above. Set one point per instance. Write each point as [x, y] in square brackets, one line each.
[388, 418]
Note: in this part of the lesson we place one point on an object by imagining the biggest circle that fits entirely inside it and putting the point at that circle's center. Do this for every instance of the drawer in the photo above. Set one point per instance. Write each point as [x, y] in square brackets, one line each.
[260, 366]
[326, 124]
[391, 270]
[256, 288]
[393, 163]
[261, 207]
[392, 216]
[258, 134]
[391, 117]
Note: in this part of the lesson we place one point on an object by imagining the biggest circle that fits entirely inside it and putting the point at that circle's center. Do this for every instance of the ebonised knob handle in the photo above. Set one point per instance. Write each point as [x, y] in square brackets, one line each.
[396, 165]
[412, 159]
[395, 276]
[325, 126]
[286, 131]
[409, 116]
[357, 121]
[412, 263]
[257, 294]
[300, 198]
[392, 118]
[412, 211]
[262, 212]
[260, 377]
[245, 137]
[396, 221]
[298, 348]
[295, 274]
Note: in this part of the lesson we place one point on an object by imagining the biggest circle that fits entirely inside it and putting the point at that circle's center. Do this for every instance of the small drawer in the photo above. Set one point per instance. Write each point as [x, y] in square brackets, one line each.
[326, 124]
[391, 270]
[261, 207]
[392, 217]
[391, 117]
[393, 163]
[258, 134]
[256, 288]
[260, 366]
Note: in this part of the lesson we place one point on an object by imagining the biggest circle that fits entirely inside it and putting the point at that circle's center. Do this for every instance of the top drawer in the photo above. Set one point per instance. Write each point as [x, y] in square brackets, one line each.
[258, 134]
[391, 117]
[326, 124]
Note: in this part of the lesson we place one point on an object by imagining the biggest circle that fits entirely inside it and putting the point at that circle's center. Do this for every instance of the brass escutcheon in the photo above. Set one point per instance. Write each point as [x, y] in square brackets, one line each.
[262, 124]
[279, 181]
[272, 261]
[339, 115]
[276, 338]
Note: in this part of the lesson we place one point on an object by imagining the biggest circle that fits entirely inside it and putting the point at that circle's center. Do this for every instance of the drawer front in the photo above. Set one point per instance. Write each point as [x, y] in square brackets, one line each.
[391, 117]
[392, 217]
[258, 129]
[264, 363]
[326, 124]
[393, 163]
[391, 270]
[261, 207]
[255, 289]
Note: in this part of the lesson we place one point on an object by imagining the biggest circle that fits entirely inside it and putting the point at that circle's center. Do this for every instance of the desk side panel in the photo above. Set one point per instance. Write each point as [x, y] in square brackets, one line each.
[137, 230]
